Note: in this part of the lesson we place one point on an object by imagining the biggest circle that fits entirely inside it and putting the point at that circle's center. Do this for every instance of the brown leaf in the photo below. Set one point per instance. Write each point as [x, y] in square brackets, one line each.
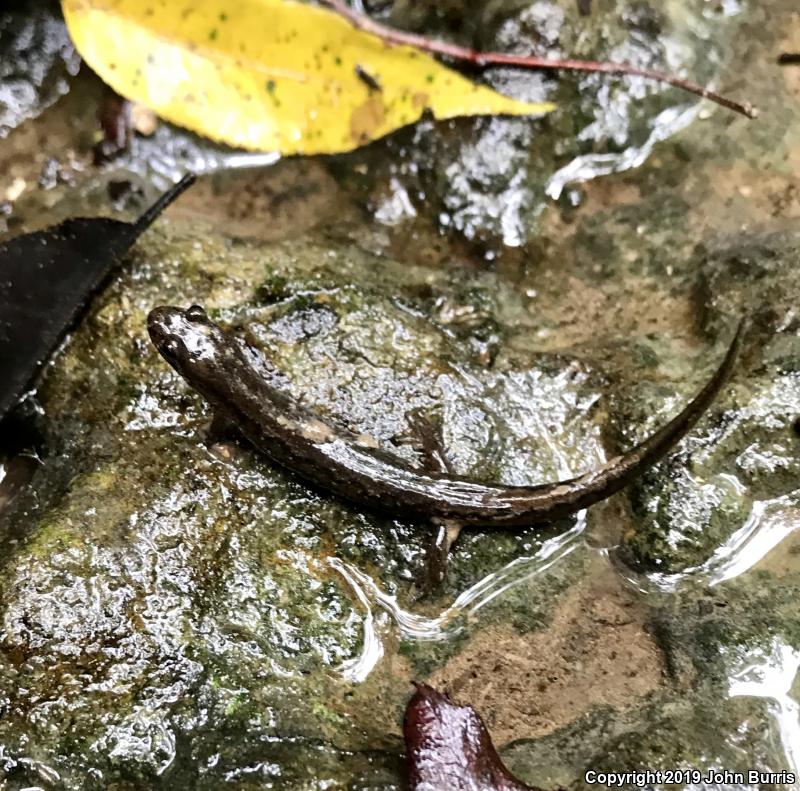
[449, 749]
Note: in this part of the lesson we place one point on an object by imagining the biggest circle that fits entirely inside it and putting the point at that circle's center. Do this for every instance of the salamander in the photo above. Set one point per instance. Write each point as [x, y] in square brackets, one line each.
[231, 375]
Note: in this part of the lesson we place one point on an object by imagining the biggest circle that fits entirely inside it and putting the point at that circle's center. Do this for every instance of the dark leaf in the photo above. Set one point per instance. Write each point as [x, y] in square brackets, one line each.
[47, 278]
[449, 749]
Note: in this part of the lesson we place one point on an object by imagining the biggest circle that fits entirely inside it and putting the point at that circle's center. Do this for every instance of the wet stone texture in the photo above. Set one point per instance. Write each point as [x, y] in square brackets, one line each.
[170, 593]
[38, 59]
[489, 181]
[176, 611]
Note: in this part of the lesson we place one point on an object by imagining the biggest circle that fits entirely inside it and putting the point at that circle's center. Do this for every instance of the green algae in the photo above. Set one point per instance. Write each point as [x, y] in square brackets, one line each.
[212, 570]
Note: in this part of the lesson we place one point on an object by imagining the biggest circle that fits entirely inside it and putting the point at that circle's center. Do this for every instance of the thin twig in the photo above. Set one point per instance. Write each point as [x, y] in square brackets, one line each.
[483, 59]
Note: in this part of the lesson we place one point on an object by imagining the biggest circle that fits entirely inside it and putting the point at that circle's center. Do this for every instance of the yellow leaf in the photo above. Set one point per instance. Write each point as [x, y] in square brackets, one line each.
[269, 75]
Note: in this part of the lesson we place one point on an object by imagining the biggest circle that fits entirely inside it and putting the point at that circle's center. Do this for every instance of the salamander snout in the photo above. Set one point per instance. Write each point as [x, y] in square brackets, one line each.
[184, 338]
[163, 325]
[168, 316]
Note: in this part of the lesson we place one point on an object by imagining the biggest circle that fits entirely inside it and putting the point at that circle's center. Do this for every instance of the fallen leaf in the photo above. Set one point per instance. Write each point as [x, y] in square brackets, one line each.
[47, 278]
[448, 747]
[270, 75]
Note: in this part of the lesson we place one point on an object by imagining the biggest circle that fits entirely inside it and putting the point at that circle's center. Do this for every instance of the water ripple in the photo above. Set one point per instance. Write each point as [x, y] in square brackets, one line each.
[413, 626]
[771, 674]
[768, 523]
[591, 166]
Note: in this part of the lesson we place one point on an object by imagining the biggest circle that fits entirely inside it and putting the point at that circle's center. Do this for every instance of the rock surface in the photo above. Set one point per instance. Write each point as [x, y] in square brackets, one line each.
[185, 615]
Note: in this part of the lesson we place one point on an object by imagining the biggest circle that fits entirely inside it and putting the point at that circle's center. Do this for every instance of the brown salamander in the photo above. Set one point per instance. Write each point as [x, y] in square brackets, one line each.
[231, 376]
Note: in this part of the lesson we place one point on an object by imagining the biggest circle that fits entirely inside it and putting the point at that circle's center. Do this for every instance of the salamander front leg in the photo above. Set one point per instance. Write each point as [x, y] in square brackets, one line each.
[437, 556]
[222, 437]
[222, 428]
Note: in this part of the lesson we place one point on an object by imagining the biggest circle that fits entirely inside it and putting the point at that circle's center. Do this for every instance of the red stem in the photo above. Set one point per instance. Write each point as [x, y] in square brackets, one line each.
[482, 59]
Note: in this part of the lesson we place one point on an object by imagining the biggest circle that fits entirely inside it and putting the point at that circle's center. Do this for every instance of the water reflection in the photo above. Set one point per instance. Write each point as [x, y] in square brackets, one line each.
[768, 523]
[171, 153]
[770, 675]
[450, 621]
[359, 667]
[591, 166]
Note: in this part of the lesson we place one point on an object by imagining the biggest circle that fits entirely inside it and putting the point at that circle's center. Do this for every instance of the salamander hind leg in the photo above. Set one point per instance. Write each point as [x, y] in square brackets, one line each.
[425, 436]
[437, 557]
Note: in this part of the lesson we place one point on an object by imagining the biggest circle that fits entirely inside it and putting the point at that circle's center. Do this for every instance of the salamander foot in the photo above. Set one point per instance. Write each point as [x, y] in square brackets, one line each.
[437, 557]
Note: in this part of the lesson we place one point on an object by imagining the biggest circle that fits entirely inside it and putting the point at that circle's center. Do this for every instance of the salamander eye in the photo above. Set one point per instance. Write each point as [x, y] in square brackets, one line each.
[196, 313]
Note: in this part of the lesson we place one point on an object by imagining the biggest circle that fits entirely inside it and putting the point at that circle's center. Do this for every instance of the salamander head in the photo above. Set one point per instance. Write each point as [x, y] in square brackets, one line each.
[190, 342]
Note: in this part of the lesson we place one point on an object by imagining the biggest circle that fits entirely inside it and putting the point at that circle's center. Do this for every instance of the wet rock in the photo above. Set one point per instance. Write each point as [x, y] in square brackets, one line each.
[593, 651]
[489, 179]
[37, 59]
[742, 472]
[698, 509]
[754, 274]
[178, 604]
[731, 659]
[171, 607]
[660, 736]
